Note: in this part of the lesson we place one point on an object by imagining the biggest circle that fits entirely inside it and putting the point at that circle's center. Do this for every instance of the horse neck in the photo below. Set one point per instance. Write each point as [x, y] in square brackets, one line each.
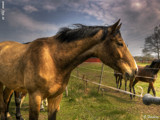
[154, 70]
[69, 55]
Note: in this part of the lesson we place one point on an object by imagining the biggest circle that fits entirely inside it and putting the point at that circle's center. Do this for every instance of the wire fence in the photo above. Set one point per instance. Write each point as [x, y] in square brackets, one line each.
[113, 88]
[121, 73]
[101, 76]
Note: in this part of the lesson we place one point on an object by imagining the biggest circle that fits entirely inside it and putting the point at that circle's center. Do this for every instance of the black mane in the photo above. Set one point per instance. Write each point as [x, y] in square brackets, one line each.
[154, 68]
[79, 31]
[26, 43]
[156, 61]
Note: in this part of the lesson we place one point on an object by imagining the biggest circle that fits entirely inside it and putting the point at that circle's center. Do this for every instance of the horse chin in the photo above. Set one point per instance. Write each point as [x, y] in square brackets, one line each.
[129, 74]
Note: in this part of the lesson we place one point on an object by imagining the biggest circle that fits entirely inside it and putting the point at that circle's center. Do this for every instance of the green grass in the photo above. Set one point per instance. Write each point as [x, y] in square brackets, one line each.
[91, 105]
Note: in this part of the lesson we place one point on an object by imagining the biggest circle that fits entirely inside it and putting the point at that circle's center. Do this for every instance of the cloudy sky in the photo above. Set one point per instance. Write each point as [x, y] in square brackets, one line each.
[26, 20]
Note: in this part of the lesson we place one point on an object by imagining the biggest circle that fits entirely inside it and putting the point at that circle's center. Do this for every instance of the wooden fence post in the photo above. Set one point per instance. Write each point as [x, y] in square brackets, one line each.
[85, 83]
[77, 72]
[101, 77]
[66, 91]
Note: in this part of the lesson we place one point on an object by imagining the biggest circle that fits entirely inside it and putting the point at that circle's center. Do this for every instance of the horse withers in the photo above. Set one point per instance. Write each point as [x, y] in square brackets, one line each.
[43, 67]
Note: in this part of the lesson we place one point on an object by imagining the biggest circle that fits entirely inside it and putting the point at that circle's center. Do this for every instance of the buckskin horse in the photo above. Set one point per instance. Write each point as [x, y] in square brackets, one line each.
[43, 67]
[148, 74]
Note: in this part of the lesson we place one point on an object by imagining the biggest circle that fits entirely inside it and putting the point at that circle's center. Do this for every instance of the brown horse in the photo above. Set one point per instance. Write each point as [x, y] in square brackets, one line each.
[43, 67]
[119, 78]
[148, 74]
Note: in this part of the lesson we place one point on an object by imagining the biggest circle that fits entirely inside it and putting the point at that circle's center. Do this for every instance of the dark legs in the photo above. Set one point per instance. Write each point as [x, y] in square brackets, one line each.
[130, 87]
[8, 115]
[125, 84]
[7, 93]
[135, 81]
[17, 97]
[7, 99]
[118, 81]
[151, 87]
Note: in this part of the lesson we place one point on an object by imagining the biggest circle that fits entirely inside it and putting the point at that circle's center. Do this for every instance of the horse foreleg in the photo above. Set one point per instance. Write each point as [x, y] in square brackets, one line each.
[8, 114]
[125, 84]
[120, 82]
[117, 81]
[2, 104]
[153, 90]
[134, 83]
[7, 95]
[34, 105]
[53, 106]
[17, 96]
[149, 88]
[130, 87]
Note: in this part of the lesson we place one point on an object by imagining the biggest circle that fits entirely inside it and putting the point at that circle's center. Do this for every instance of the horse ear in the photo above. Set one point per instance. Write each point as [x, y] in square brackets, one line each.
[118, 28]
[114, 27]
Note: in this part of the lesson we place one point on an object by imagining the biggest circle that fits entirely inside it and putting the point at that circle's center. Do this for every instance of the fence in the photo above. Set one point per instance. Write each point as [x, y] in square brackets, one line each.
[150, 99]
[99, 84]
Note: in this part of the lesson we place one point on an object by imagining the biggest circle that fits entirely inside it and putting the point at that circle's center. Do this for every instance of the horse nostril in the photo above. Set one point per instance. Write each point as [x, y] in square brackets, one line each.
[136, 72]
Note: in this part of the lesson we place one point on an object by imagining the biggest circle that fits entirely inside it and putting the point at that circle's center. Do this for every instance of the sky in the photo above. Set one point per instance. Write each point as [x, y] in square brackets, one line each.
[27, 20]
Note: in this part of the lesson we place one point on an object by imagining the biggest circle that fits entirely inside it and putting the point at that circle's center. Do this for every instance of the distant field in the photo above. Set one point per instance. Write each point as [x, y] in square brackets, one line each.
[90, 105]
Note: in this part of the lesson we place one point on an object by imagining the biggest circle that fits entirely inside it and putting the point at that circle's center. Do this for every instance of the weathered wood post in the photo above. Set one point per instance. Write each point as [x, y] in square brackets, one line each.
[101, 77]
[102, 91]
[66, 91]
[85, 87]
[77, 72]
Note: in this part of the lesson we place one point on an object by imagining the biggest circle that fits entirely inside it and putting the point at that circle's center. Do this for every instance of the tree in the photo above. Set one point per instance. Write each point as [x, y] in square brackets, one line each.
[152, 43]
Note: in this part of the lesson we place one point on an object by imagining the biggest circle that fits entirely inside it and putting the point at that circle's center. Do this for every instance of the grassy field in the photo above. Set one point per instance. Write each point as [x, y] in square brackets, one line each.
[91, 105]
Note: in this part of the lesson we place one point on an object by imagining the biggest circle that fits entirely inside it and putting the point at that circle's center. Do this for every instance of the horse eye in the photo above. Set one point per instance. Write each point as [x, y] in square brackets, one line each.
[120, 44]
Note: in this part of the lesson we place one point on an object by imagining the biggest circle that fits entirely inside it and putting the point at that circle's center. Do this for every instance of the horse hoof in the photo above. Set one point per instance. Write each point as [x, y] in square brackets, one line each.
[22, 118]
[8, 116]
[42, 109]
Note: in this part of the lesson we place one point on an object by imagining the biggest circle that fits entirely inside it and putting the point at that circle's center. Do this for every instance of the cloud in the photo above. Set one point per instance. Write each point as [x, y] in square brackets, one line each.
[30, 9]
[138, 17]
[49, 7]
[20, 20]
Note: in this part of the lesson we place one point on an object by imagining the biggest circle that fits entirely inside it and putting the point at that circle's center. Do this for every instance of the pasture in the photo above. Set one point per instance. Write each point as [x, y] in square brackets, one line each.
[88, 104]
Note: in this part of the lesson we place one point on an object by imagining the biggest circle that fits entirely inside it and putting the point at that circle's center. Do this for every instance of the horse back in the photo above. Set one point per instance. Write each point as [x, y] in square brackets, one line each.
[145, 74]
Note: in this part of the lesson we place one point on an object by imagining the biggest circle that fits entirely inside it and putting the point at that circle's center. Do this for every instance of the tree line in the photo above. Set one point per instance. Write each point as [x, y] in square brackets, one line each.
[152, 43]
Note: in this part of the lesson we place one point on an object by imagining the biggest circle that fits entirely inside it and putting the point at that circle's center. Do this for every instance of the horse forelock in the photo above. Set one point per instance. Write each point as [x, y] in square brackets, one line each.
[80, 31]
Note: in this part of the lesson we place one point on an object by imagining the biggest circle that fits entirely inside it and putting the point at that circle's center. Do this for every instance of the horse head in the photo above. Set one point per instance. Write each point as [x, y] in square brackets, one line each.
[113, 52]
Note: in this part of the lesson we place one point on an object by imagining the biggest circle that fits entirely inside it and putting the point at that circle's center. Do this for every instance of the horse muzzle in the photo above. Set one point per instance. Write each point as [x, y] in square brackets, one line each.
[130, 75]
